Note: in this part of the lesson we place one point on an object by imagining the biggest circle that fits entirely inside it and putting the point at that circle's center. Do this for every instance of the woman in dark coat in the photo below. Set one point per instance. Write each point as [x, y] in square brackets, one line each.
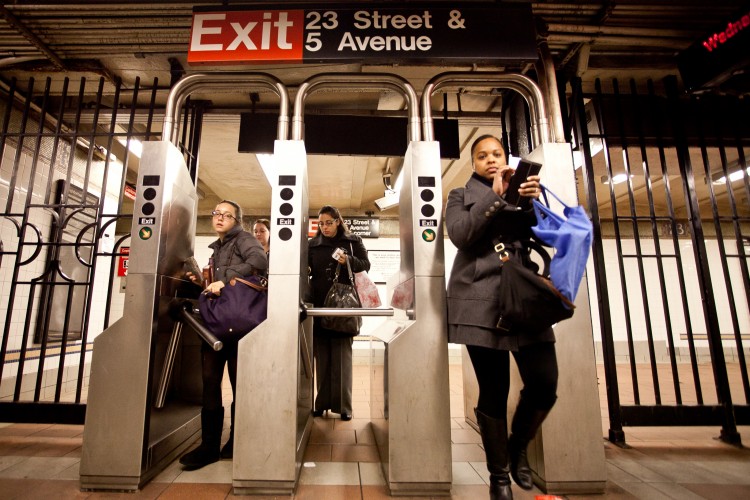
[236, 254]
[477, 219]
[332, 350]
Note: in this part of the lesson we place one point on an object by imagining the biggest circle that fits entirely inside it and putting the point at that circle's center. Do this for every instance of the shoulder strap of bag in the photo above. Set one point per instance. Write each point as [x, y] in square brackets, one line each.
[546, 190]
[502, 250]
[262, 287]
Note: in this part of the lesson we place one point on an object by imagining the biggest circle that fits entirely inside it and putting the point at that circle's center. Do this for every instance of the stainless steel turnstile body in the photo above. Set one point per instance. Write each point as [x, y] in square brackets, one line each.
[410, 401]
[126, 438]
[273, 411]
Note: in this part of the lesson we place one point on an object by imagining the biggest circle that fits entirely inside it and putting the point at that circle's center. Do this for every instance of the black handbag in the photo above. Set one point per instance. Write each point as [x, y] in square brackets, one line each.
[528, 301]
[241, 306]
[342, 295]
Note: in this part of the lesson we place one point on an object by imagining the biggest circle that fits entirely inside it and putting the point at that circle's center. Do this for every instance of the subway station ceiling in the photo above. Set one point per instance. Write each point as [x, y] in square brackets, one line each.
[139, 41]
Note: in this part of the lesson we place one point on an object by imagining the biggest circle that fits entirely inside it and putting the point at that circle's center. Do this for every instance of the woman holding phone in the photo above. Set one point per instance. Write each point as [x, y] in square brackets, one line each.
[333, 244]
[478, 219]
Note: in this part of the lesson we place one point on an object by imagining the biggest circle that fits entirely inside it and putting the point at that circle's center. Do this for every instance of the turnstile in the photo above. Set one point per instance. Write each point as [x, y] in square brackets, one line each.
[146, 358]
[409, 396]
[145, 393]
[564, 458]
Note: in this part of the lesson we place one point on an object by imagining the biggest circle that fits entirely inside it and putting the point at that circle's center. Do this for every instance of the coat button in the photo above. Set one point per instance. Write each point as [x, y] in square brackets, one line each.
[492, 209]
[487, 214]
[497, 204]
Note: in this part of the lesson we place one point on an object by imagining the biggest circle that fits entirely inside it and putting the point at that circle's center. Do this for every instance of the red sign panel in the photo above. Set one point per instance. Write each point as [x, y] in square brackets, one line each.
[129, 191]
[122, 264]
[246, 36]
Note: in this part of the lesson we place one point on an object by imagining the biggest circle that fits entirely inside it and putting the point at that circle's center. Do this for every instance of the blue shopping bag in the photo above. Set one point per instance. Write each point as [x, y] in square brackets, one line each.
[570, 235]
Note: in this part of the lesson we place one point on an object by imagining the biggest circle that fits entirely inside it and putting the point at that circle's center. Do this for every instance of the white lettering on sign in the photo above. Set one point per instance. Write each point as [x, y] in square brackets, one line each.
[199, 31]
[364, 20]
[427, 223]
[389, 43]
[242, 32]
[285, 222]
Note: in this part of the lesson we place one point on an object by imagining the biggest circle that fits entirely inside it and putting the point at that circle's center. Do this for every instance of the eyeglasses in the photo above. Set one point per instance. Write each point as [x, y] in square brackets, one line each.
[222, 215]
[327, 223]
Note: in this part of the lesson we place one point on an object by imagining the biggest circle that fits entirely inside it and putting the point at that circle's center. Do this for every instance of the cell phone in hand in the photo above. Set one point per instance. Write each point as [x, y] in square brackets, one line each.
[337, 253]
[525, 169]
[191, 266]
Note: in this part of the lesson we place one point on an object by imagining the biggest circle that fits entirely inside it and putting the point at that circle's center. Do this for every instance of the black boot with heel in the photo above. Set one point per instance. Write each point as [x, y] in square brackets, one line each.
[526, 422]
[227, 452]
[207, 452]
[494, 433]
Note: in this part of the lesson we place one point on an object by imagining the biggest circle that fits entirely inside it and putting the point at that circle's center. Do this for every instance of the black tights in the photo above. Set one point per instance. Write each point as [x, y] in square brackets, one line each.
[213, 373]
[537, 364]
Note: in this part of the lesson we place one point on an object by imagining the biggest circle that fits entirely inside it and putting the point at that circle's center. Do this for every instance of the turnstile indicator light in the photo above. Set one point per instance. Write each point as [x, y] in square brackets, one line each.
[426, 182]
[148, 208]
[428, 210]
[427, 195]
[286, 209]
[287, 180]
[149, 193]
[285, 234]
[428, 235]
[151, 180]
[287, 194]
[145, 233]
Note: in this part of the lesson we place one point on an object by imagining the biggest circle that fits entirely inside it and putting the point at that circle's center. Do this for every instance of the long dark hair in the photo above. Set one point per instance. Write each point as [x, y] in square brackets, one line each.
[336, 215]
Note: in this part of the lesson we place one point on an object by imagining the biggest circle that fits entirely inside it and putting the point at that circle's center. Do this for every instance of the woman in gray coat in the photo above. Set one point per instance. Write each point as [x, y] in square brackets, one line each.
[236, 254]
[478, 219]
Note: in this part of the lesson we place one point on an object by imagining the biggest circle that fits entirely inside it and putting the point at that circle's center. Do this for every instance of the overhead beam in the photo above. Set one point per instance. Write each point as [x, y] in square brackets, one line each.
[32, 38]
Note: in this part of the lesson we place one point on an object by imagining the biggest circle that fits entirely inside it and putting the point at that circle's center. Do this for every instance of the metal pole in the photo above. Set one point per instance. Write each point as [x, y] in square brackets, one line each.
[352, 82]
[232, 81]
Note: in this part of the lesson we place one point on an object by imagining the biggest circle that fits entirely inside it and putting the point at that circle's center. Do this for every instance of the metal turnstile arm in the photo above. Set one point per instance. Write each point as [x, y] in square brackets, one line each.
[182, 311]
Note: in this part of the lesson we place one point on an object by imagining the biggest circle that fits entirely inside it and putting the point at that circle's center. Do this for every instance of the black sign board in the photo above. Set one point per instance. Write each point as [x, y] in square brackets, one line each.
[716, 56]
[464, 33]
[346, 135]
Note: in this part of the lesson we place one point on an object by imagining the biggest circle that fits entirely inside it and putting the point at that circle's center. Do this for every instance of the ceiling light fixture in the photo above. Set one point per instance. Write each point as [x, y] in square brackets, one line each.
[616, 179]
[267, 164]
[133, 145]
[733, 177]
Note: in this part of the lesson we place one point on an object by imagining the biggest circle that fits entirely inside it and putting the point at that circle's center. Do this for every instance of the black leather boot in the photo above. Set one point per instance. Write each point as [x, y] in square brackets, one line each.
[228, 450]
[212, 422]
[526, 422]
[494, 433]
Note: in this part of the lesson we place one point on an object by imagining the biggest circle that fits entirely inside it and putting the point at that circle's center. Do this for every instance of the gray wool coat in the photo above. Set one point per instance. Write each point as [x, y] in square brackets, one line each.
[240, 254]
[476, 219]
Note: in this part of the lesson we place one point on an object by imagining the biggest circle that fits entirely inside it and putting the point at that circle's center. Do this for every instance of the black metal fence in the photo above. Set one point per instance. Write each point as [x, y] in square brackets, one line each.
[66, 162]
[667, 183]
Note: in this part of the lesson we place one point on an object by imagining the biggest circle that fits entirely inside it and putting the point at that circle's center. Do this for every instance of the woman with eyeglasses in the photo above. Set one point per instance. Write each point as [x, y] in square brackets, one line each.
[236, 254]
[332, 350]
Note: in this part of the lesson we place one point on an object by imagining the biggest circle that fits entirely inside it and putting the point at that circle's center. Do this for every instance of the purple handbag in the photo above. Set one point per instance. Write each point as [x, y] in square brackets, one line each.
[241, 306]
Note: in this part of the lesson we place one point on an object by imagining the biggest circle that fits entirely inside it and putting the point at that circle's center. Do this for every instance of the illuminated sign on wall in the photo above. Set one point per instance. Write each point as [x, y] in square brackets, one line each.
[463, 34]
[716, 56]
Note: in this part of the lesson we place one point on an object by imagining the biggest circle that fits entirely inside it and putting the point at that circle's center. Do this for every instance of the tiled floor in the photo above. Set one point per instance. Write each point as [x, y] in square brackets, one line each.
[341, 462]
